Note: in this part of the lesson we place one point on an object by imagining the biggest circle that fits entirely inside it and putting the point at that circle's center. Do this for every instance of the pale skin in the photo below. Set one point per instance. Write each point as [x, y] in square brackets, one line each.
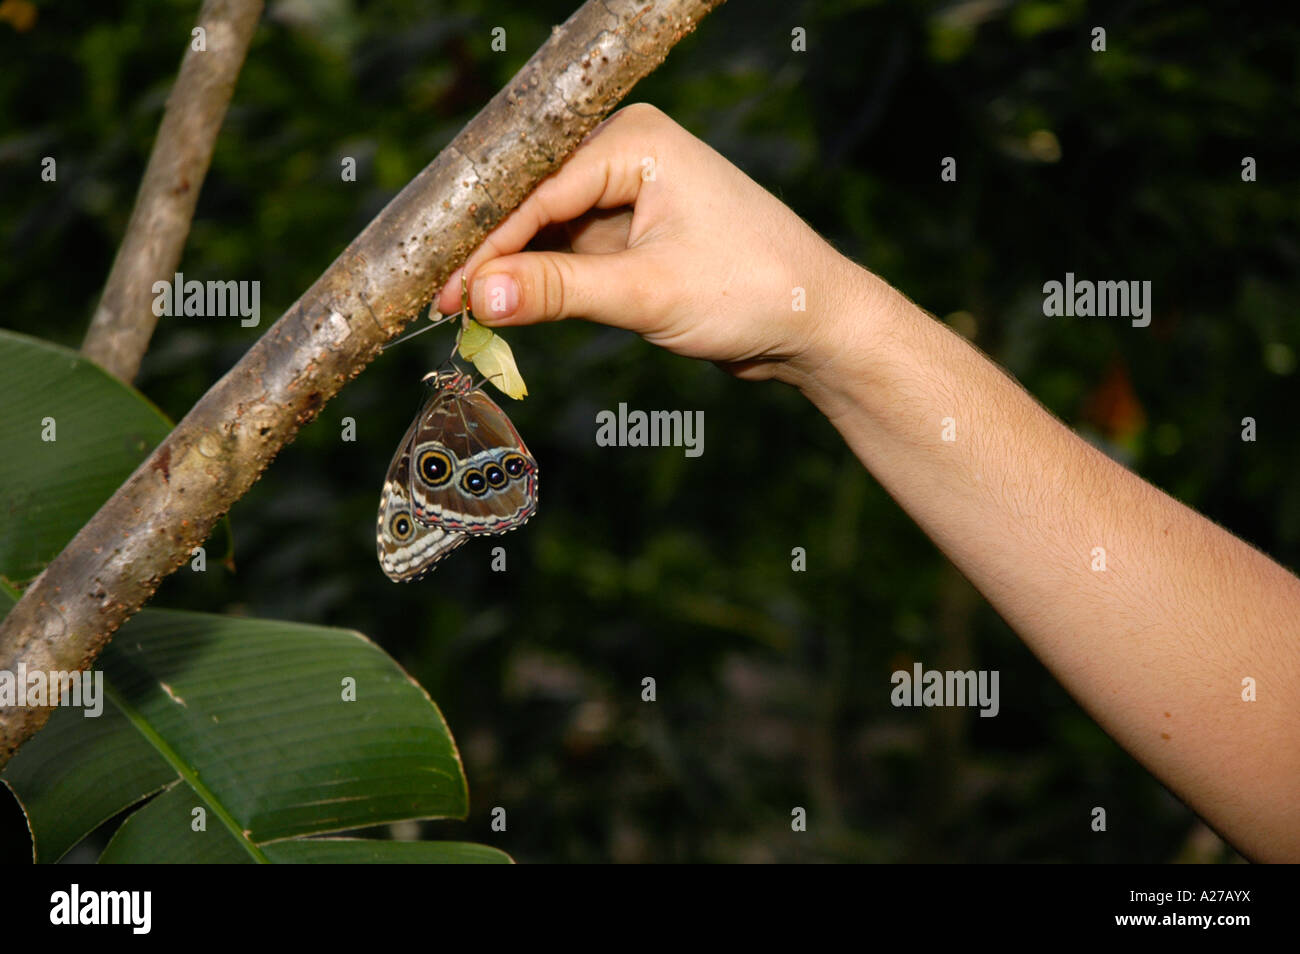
[702, 261]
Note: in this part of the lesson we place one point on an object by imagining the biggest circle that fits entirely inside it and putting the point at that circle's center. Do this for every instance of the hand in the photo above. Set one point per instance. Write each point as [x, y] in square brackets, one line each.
[671, 241]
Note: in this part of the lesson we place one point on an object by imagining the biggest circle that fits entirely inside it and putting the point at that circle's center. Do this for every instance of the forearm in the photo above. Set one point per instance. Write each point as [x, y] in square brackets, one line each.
[705, 263]
[1155, 645]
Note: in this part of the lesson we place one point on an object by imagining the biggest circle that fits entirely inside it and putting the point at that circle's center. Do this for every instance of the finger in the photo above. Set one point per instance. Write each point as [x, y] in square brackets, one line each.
[529, 287]
[605, 173]
[576, 188]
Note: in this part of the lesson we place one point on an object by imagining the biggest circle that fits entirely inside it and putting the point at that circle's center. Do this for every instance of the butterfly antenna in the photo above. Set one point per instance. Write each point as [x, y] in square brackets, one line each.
[441, 320]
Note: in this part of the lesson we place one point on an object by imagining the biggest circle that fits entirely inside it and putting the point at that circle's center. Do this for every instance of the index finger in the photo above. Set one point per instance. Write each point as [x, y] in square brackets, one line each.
[604, 173]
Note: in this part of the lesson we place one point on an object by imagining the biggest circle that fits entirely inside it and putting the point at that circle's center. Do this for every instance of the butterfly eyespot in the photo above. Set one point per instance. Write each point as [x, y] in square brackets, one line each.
[400, 527]
[435, 468]
[433, 498]
[474, 482]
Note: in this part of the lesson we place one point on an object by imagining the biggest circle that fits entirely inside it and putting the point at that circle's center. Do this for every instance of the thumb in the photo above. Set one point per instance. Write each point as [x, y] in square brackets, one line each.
[529, 287]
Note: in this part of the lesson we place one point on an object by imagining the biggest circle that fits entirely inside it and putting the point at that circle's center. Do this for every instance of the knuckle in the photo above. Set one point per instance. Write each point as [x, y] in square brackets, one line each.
[642, 112]
[555, 275]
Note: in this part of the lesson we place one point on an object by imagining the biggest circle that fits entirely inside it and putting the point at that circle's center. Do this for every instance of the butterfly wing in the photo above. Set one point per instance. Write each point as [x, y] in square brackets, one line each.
[470, 470]
[407, 548]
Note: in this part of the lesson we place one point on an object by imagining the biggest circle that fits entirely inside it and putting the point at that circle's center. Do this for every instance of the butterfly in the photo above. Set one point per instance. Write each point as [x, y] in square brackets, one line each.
[461, 471]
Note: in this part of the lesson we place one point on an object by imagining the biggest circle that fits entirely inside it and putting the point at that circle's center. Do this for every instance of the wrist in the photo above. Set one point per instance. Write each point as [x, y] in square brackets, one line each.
[851, 339]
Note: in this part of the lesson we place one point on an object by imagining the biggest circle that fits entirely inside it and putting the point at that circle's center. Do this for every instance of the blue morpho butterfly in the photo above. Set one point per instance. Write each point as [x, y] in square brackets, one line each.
[461, 471]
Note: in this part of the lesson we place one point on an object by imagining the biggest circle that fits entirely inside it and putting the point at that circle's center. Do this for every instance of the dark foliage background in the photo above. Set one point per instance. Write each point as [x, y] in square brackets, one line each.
[773, 686]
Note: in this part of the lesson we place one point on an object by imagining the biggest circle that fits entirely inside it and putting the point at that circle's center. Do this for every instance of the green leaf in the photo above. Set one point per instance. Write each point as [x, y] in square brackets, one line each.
[79, 772]
[102, 430]
[245, 719]
[172, 812]
[368, 851]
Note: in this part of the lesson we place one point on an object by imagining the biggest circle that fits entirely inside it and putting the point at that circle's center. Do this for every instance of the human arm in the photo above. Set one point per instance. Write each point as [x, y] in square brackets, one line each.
[1155, 647]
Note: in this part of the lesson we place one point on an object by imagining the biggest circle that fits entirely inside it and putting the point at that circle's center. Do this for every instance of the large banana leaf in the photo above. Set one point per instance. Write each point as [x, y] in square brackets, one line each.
[101, 431]
[244, 726]
[70, 434]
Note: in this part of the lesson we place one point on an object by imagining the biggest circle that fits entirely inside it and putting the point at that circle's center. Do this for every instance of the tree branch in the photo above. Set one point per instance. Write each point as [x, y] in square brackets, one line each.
[155, 236]
[391, 270]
